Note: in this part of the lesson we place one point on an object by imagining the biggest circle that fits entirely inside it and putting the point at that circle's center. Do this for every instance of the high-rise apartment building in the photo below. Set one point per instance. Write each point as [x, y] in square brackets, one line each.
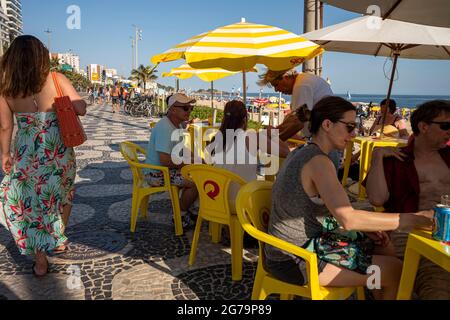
[13, 10]
[68, 58]
[4, 30]
[94, 72]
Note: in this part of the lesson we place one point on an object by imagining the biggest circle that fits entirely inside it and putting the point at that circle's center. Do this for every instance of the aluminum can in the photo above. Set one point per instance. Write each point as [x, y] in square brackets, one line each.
[441, 229]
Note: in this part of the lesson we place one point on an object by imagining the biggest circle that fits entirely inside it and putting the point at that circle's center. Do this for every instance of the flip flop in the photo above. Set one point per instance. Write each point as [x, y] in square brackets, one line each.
[38, 275]
[61, 249]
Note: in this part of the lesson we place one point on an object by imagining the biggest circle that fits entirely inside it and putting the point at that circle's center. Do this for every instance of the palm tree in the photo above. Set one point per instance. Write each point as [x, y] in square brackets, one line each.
[143, 74]
[54, 64]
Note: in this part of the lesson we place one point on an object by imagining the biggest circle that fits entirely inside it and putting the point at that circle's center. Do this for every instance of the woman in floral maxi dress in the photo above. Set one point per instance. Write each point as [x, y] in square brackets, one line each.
[37, 190]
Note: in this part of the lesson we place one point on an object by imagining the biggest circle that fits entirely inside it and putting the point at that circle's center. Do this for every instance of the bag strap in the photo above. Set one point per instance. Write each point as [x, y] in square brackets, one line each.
[57, 86]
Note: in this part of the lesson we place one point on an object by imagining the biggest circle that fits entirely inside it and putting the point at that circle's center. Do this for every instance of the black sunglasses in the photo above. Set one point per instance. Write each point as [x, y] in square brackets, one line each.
[443, 125]
[351, 126]
[185, 108]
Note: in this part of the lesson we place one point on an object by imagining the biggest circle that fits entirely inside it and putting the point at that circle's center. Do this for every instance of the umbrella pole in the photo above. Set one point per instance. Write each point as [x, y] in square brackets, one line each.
[391, 83]
[244, 81]
[214, 111]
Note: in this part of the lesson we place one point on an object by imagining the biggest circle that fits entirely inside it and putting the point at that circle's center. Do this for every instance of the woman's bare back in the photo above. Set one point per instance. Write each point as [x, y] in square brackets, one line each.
[44, 100]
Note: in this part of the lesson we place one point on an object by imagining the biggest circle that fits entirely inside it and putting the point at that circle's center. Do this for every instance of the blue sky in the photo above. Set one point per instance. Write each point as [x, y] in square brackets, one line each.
[106, 28]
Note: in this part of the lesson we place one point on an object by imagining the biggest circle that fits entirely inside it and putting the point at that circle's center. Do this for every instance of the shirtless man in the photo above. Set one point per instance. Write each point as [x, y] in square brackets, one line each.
[414, 178]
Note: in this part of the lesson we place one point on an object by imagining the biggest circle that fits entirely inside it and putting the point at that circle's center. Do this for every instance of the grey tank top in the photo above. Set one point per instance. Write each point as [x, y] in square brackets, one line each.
[294, 217]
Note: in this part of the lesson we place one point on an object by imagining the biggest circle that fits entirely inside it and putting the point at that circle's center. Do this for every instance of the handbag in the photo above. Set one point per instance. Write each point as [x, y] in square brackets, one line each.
[70, 126]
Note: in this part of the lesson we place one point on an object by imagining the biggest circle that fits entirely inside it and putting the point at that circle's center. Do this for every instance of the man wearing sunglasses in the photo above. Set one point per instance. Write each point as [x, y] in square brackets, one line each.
[160, 149]
[414, 178]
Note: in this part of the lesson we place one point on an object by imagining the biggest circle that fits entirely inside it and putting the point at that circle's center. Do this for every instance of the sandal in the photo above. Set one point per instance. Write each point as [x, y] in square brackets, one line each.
[61, 249]
[38, 275]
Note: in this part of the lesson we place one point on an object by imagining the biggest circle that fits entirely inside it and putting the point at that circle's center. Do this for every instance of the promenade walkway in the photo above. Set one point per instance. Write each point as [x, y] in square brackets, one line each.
[111, 262]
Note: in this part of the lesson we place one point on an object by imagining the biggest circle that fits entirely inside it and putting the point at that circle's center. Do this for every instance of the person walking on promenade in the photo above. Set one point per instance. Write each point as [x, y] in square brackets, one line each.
[115, 92]
[311, 209]
[38, 187]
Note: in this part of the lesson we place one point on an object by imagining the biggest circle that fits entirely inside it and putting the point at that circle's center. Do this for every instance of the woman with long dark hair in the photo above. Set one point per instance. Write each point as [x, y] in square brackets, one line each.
[238, 147]
[37, 190]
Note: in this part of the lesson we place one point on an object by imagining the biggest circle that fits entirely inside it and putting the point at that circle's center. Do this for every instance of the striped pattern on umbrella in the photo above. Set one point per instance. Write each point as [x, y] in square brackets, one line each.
[212, 74]
[241, 46]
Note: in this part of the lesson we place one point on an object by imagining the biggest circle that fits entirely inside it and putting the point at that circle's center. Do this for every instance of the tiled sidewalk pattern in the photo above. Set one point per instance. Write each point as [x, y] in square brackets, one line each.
[105, 260]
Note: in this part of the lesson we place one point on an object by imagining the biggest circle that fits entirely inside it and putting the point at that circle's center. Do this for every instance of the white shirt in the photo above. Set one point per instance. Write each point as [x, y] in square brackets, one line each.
[309, 89]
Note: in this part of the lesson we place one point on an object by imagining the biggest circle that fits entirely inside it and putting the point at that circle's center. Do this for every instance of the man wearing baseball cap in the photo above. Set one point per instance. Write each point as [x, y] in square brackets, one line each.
[160, 148]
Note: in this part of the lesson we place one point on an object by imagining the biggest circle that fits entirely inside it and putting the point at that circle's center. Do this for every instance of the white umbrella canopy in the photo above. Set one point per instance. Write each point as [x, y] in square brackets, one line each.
[430, 12]
[374, 36]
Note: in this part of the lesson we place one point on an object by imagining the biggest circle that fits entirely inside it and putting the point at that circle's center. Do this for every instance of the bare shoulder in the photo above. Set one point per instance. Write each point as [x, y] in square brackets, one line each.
[62, 79]
[319, 165]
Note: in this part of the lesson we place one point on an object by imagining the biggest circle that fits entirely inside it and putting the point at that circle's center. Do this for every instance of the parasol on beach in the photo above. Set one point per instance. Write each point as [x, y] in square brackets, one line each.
[239, 47]
[208, 75]
[430, 12]
[389, 38]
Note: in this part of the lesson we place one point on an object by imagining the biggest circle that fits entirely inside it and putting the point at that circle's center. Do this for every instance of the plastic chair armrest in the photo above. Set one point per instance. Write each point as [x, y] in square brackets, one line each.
[164, 170]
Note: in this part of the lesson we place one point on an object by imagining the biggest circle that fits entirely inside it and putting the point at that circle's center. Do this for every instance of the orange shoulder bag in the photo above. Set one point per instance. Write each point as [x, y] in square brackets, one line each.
[70, 126]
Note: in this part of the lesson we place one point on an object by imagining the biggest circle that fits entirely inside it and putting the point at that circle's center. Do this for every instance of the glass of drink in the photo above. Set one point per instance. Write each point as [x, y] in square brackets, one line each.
[445, 200]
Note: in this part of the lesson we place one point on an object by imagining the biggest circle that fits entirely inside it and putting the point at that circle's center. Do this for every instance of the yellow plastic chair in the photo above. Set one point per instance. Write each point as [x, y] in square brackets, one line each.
[213, 186]
[141, 189]
[253, 205]
[296, 142]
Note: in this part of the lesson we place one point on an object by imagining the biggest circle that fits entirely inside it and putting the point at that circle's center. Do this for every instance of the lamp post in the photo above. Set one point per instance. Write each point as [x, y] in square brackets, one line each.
[49, 33]
[133, 66]
[138, 37]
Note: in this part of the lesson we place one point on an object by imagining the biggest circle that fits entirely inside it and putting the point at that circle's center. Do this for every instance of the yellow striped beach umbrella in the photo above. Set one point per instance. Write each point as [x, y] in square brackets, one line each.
[185, 71]
[241, 46]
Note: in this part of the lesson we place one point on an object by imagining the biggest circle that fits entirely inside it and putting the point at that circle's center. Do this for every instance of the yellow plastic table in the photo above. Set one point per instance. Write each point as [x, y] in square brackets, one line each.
[420, 243]
[367, 146]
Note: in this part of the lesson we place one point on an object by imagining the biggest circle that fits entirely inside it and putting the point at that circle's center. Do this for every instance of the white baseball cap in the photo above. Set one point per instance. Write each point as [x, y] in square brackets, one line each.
[180, 98]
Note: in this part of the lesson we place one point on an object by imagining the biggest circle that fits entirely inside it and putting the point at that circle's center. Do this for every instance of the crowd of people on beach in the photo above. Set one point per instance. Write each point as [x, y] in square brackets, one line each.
[310, 207]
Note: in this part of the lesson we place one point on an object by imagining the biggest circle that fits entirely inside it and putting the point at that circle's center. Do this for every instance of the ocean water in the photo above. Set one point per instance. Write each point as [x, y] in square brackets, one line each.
[403, 101]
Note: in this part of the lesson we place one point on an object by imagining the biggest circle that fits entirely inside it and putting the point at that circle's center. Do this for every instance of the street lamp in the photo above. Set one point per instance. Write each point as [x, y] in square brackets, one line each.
[133, 66]
[138, 37]
[49, 32]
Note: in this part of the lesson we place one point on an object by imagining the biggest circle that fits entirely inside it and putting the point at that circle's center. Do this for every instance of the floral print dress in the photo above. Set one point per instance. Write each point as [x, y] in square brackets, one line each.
[41, 182]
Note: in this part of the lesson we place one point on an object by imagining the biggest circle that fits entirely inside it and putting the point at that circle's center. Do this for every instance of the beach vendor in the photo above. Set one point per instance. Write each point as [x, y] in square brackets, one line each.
[414, 178]
[306, 90]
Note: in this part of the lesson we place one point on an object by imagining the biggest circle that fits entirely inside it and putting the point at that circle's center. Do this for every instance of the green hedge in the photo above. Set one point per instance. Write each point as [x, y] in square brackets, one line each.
[204, 113]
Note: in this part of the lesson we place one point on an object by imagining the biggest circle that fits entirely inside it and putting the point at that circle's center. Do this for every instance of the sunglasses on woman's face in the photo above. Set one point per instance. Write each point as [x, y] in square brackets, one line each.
[351, 126]
[442, 125]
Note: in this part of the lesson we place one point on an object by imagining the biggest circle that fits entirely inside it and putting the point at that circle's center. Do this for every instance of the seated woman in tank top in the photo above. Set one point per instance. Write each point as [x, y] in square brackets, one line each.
[311, 209]
[237, 149]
